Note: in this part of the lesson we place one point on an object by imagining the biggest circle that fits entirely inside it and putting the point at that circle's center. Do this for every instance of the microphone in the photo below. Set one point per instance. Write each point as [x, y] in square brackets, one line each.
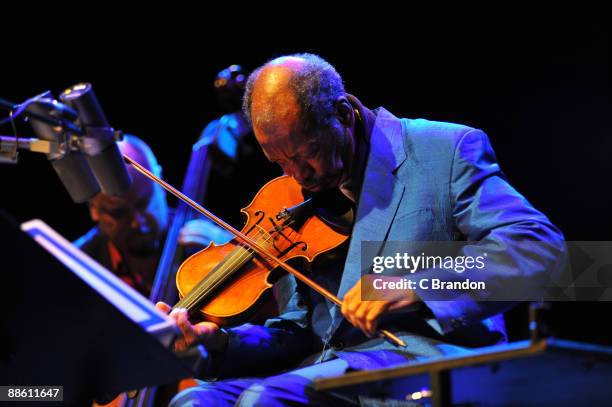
[98, 142]
[70, 166]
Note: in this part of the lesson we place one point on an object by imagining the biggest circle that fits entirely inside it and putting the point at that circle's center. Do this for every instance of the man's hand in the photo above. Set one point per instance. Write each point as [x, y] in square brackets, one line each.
[200, 232]
[364, 314]
[206, 333]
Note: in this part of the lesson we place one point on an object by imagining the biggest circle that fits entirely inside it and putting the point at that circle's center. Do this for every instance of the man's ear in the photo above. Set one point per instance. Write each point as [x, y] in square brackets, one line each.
[345, 110]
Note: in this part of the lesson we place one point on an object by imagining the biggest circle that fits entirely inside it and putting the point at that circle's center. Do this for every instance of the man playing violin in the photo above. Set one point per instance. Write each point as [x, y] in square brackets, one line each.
[409, 180]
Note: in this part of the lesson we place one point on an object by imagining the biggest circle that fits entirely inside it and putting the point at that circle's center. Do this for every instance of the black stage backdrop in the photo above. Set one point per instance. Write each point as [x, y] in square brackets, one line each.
[535, 78]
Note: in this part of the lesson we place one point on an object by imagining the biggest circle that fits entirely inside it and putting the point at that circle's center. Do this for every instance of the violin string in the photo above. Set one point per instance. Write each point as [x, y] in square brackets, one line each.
[205, 289]
[243, 253]
[221, 274]
[201, 289]
[225, 275]
[195, 295]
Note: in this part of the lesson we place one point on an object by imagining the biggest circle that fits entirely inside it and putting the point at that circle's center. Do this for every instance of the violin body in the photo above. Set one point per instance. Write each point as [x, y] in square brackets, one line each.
[226, 283]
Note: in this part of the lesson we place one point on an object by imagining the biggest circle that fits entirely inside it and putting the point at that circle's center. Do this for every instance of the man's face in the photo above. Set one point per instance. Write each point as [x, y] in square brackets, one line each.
[133, 221]
[317, 160]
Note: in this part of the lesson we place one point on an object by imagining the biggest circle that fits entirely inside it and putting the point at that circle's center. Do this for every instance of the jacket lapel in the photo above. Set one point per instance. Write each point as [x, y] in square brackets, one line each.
[379, 199]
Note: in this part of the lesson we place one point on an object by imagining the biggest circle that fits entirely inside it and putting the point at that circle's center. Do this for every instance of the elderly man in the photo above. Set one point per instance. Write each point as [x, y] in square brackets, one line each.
[410, 180]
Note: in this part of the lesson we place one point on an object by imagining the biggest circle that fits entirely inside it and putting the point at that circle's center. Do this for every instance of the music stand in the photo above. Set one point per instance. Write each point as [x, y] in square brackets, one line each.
[69, 322]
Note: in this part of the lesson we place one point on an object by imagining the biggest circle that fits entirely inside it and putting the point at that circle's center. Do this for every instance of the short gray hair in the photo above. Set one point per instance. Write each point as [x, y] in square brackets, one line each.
[316, 86]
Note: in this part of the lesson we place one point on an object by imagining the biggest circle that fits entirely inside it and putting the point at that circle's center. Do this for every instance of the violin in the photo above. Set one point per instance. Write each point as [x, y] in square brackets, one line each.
[225, 284]
[272, 237]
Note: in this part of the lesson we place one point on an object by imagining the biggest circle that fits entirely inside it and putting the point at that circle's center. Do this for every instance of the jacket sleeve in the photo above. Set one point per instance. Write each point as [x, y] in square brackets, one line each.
[521, 246]
[278, 344]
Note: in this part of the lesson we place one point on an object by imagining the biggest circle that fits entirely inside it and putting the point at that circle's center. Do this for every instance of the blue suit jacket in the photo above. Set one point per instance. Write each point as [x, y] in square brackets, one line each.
[423, 181]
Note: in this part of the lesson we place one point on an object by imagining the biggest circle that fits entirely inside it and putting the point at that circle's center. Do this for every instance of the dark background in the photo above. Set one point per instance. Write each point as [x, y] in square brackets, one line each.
[534, 77]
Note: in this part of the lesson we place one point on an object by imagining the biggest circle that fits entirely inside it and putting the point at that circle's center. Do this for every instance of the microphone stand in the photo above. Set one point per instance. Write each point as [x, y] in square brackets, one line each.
[10, 144]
